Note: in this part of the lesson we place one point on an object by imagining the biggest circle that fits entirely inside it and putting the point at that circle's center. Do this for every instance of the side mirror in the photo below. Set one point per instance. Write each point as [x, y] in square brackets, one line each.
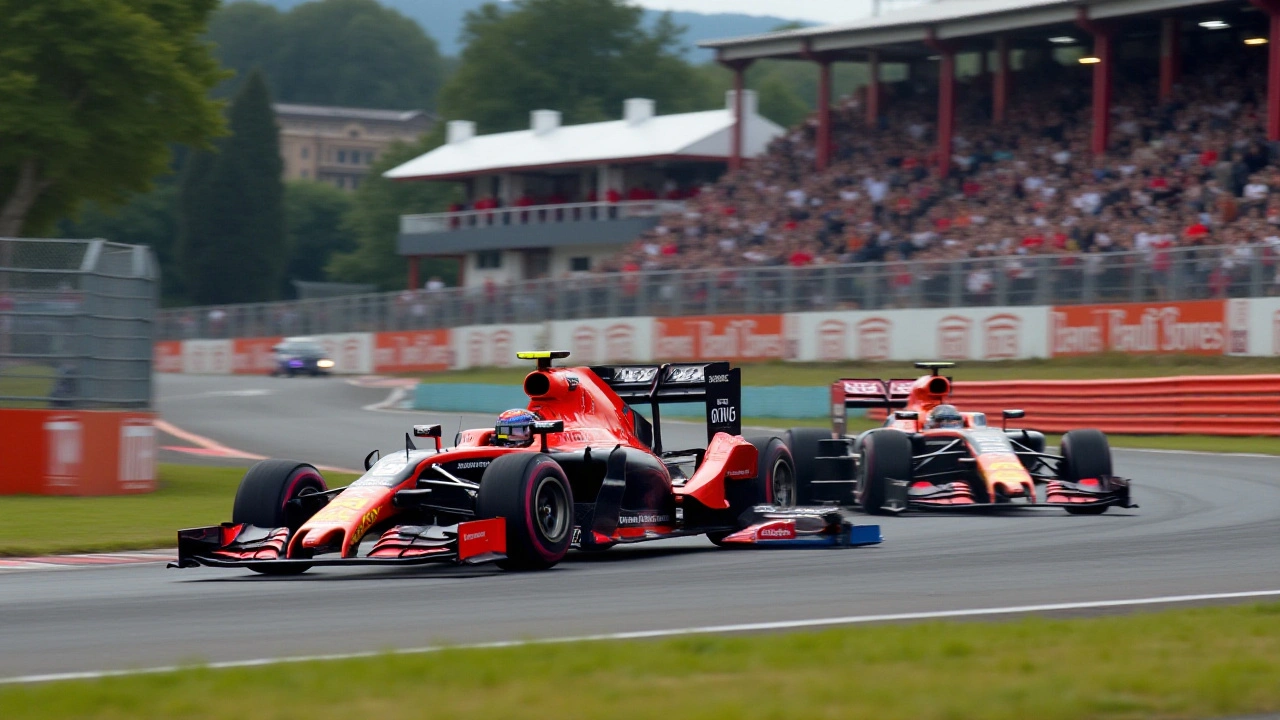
[371, 459]
[1011, 415]
[543, 427]
[428, 431]
[906, 415]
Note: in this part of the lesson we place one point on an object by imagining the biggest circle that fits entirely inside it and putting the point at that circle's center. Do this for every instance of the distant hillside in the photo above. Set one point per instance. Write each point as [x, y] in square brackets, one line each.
[442, 19]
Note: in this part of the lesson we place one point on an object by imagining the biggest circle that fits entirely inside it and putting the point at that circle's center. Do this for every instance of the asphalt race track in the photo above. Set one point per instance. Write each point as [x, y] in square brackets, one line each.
[1207, 525]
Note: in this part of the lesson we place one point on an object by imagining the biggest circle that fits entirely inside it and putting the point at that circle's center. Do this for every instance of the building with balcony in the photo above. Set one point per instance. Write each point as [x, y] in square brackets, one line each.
[336, 145]
[554, 199]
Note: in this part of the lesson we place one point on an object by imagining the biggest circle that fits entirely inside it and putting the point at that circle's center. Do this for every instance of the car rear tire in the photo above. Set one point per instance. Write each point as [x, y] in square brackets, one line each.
[885, 456]
[263, 500]
[803, 443]
[773, 484]
[531, 493]
[1085, 454]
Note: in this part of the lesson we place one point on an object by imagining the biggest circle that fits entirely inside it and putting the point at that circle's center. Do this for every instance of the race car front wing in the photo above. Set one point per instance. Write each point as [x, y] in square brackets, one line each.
[803, 527]
[243, 545]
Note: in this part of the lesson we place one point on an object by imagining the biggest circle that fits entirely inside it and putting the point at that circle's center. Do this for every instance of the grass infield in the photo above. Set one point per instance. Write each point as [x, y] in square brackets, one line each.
[187, 496]
[1190, 663]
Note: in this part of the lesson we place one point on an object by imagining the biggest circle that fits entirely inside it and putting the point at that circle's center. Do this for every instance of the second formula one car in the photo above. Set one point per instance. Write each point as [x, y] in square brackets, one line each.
[578, 467]
[929, 455]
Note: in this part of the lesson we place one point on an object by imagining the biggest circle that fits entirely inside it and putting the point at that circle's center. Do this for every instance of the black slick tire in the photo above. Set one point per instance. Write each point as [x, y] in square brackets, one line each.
[1085, 454]
[885, 456]
[263, 500]
[803, 443]
[774, 483]
[531, 493]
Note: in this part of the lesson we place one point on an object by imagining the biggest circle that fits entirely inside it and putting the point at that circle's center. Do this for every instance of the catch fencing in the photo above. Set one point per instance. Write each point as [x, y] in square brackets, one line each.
[77, 324]
[1164, 275]
[77, 321]
[1189, 405]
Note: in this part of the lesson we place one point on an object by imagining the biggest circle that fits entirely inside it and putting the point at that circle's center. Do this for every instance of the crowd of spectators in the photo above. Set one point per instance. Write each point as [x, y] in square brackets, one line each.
[1193, 172]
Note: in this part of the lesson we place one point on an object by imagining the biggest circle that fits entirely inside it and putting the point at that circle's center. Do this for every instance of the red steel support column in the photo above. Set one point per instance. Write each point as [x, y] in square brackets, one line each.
[824, 114]
[1102, 49]
[413, 272]
[1000, 91]
[1169, 57]
[946, 100]
[873, 89]
[739, 68]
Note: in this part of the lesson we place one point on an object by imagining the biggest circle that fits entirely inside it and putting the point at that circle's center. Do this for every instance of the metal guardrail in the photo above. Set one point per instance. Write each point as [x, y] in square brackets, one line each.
[536, 215]
[76, 323]
[1175, 274]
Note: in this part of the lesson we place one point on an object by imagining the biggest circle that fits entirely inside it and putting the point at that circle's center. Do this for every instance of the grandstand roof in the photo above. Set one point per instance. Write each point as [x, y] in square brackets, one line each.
[951, 19]
[644, 137]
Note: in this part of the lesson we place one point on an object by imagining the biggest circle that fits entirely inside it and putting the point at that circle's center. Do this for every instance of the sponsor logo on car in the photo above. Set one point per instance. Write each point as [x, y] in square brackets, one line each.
[472, 465]
[473, 536]
[644, 519]
[777, 531]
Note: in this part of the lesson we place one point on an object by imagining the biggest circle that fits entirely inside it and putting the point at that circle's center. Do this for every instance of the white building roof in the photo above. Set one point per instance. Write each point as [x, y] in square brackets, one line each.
[949, 19]
[547, 144]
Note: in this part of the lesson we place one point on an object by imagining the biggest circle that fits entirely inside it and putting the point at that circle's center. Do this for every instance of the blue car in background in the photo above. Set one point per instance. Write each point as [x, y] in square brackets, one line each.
[301, 356]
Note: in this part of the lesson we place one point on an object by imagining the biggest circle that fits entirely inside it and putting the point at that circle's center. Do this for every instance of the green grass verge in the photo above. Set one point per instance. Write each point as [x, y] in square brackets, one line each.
[187, 496]
[1197, 663]
[32, 383]
[817, 374]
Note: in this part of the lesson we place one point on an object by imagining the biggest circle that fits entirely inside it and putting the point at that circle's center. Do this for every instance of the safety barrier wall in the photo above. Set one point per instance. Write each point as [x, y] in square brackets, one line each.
[1199, 327]
[76, 452]
[766, 402]
[1189, 405]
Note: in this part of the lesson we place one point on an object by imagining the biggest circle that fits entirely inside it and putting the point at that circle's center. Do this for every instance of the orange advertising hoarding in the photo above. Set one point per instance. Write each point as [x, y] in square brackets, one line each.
[741, 338]
[1196, 327]
[413, 351]
[77, 452]
[253, 356]
[166, 356]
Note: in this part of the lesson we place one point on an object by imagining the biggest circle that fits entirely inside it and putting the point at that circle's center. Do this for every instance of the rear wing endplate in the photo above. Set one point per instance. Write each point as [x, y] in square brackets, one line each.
[866, 393]
[715, 384]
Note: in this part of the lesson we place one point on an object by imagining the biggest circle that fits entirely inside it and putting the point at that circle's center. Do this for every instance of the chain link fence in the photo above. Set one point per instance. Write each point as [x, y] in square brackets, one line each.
[1157, 275]
[77, 321]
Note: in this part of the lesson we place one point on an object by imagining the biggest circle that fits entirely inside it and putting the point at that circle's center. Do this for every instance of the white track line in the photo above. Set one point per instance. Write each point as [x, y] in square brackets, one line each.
[670, 632]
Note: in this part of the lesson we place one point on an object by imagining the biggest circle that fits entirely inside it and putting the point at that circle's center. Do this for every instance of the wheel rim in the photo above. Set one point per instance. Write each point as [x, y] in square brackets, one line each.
[551, 508]
[784, 484]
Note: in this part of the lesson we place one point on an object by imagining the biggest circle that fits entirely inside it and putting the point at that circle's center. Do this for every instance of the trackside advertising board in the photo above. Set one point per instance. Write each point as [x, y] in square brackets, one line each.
[1197, 327]
[78, 452]
[942, 334]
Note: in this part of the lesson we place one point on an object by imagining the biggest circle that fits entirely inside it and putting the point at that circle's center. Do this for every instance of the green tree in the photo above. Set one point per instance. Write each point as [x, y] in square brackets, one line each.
[374, 220]
[313, 214]
[232, 208]
[581, 57]
[92, 93]
[353, 53]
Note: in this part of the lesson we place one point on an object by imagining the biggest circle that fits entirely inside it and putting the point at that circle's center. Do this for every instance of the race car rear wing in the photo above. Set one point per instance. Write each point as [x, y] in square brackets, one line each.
[865, 393]
[715, 384]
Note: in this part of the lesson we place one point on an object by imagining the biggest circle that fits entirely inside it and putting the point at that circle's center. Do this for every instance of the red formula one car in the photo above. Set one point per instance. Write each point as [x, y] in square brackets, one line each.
[578, 467]
[929, 455]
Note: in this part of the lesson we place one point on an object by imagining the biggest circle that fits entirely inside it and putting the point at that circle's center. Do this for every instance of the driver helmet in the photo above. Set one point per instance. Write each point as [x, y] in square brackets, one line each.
[944, 416]
[515, 428]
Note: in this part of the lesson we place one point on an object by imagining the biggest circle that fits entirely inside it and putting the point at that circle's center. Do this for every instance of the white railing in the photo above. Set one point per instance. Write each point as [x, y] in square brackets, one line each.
[535, 215]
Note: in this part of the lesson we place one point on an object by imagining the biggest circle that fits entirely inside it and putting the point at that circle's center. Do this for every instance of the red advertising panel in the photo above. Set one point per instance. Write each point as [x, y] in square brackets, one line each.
[166, 356]
[1196, 327]
[741, 338]
[73, 452]
[253, 356]
[413, 351]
